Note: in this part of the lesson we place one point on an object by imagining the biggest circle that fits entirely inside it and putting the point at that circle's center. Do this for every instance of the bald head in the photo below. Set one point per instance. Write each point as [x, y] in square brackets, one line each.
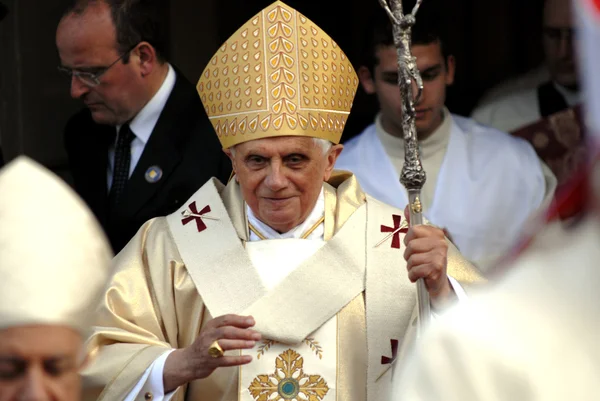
[558, 38]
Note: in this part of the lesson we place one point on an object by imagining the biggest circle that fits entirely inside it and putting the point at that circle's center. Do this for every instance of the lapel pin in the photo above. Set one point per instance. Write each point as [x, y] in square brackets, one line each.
[153, 174]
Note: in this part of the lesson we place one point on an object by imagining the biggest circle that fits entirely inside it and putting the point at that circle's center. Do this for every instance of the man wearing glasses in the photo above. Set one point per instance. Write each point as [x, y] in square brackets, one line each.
[560, 90]
[549, 114]
[142, 145]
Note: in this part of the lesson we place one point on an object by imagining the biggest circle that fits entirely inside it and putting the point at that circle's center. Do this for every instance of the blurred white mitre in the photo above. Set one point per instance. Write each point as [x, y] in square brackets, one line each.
[54, 257]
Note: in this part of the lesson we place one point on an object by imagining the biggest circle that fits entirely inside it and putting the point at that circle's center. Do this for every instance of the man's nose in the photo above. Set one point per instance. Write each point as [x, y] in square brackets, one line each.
[34, 388]
[276, 179]
[78, 88]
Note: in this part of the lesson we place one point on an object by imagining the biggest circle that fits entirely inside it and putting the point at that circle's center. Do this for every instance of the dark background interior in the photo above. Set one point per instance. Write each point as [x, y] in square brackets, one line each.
[491, 40]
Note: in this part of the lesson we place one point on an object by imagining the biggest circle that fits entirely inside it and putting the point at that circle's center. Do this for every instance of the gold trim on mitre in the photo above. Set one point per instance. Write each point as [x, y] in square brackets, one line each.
[278, 75]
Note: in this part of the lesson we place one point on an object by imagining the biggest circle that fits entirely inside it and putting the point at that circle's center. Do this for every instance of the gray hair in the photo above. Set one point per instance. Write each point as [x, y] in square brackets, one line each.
[324, 144]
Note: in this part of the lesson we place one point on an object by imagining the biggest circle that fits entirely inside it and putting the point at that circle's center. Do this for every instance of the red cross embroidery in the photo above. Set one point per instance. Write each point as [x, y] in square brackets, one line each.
[395, 231]
[387, 360]
[192, 215]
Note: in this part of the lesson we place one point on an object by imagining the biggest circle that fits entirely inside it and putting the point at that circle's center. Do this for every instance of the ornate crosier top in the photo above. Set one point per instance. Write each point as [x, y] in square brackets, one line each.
[413, 176]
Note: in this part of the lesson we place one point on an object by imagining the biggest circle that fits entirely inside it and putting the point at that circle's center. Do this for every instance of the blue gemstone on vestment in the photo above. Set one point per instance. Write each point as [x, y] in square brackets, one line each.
[288, 388]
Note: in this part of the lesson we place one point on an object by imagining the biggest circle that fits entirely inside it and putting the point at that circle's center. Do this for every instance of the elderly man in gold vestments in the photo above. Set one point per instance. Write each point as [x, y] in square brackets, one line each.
[289, 283]
[54, 266]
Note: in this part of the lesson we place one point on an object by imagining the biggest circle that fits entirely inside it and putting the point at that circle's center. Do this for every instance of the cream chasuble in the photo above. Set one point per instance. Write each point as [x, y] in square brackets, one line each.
[306, 370]
[180, 271]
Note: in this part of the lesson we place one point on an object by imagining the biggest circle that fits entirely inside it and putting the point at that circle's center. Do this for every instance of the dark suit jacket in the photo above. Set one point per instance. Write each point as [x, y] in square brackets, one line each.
[183, 144]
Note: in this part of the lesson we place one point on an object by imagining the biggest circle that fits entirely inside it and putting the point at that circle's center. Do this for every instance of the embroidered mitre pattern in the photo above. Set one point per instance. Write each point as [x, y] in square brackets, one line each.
[279, 74]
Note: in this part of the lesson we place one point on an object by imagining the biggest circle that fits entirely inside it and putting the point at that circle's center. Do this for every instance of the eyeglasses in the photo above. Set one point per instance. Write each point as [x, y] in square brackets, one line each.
[557, 34]
[90, 78]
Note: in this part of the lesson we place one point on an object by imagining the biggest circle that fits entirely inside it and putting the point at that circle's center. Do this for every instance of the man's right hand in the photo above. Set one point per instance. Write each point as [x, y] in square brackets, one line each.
[194, 362]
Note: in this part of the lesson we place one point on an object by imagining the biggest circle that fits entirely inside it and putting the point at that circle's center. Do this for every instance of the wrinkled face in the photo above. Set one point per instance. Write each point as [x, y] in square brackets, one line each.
[39, 363]
[88, 43]
[281, 178]
[559, 47]
[436, 74]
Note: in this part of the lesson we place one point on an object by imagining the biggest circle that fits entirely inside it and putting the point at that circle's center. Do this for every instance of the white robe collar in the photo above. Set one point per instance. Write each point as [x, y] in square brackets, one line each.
[437, 141]
[477, 187]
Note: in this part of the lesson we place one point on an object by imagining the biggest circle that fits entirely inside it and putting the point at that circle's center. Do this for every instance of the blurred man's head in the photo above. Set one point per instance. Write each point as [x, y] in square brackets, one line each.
[54, 264]
[40, 363]
[559, 49]
[113, 50]
[379, 72]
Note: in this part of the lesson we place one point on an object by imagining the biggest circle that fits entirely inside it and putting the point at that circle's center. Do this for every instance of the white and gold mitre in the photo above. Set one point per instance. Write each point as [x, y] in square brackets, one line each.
[278, 75]
[54, 257]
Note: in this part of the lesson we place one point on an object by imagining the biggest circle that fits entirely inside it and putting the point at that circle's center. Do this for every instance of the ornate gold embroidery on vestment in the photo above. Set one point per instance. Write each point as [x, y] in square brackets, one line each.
[289, 381]
[310, 341]
[315, 346]
[266, 345]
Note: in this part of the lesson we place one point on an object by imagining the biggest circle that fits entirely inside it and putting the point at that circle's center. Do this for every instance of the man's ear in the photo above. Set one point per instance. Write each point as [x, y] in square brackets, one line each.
[366, 80]
[332, 156]
[231, 156]
[451, 69]
[147, 56]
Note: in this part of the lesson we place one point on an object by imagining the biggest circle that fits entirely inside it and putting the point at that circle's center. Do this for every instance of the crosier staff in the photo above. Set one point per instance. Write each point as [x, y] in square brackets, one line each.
[413, 175]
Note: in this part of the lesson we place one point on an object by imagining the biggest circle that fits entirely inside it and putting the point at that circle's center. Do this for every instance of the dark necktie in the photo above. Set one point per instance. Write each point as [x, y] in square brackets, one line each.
[122, 163]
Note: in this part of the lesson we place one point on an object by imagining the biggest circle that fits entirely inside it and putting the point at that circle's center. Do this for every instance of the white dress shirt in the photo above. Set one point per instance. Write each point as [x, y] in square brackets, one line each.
[142, 126]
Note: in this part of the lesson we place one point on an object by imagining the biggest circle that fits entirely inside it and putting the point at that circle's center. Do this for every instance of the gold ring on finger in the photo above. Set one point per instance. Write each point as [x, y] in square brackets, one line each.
[215, 350]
